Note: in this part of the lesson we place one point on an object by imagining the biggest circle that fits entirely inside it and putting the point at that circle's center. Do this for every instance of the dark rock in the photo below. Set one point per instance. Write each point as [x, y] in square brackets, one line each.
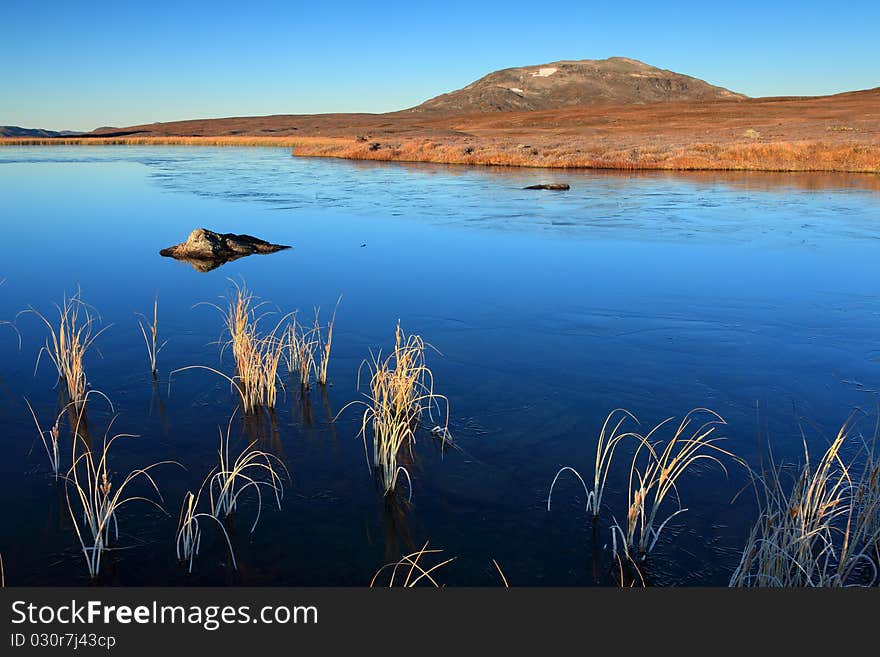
[206, 250]
[555, 186]
[375, 146]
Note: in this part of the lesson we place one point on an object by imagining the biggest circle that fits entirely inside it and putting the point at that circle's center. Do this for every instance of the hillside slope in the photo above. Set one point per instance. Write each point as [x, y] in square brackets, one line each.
[569, 83]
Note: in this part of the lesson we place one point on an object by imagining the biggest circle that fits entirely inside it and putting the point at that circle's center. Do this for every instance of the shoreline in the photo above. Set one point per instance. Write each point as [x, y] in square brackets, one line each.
[768, 156]
[839, 134]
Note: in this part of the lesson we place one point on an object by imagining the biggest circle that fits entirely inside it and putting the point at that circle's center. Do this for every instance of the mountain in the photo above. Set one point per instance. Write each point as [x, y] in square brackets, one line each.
[569, 83]
[15, 131]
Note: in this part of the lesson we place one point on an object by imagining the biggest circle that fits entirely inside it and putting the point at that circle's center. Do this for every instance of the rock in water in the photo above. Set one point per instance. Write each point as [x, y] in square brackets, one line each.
[206, 250]
[556, 186]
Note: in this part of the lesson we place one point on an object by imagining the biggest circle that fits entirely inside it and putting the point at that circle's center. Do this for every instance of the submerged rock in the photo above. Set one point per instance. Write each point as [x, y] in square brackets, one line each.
[556, 186]
[206, 250]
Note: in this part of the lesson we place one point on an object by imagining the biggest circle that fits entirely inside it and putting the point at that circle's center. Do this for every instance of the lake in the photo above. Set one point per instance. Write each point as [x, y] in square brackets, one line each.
[751, 294]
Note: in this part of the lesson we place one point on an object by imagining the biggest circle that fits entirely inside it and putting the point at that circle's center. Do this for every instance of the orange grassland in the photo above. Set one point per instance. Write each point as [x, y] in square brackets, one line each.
[825, 133]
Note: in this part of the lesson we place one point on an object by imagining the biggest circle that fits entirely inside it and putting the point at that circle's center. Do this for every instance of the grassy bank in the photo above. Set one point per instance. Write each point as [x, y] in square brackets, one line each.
[765, 156]
[850, 157]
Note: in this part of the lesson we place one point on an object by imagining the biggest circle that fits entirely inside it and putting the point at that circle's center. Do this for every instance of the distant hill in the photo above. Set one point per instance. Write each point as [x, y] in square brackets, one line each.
[15, 131]
[570, 83]
[616, 102]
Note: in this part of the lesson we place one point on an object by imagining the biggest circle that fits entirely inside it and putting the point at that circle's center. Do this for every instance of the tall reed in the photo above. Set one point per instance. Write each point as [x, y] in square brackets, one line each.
[867, 497]
[252, 468]
[693, 441]
[415, 572]
[68, 343]
[93, 500]
[50, 444]
[819, 525]
[257, 356]
[189, 531]
[501, 573]
[300, 346]
[324, 345]
[401, 392]
[152, 328]
[605, 448]
[629, 575]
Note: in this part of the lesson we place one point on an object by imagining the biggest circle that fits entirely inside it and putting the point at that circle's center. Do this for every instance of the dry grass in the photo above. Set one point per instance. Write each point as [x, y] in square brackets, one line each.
[854, 157]
[629, 575]
[301, 343]
[401, 393]
[94, 498]
[409, 571]
[653, 478]
[819, 525]
[605, 447]
[501, 574]
[152, 328]
[226, 482]
[307, 349]
[50, 438]
[567, 152]
[189, 531]
[68, 343]
[257, 355]
[251, 469]
[867, 498]
[650, 487]
[324, 344]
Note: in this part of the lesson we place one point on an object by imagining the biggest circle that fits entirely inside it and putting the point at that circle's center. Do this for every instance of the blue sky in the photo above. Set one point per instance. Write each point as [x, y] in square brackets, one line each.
[68, 65]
